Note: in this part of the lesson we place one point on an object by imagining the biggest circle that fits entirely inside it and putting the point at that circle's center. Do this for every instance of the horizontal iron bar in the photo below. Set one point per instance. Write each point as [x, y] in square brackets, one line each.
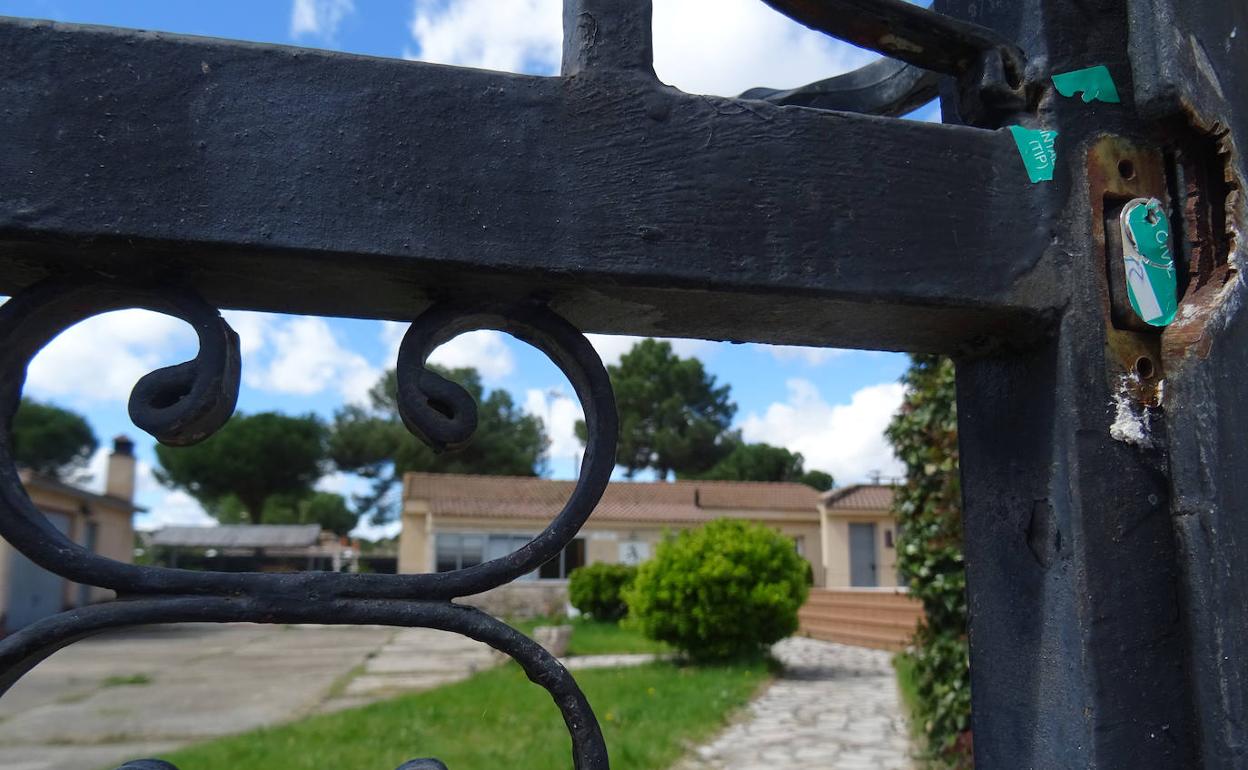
[286, 179]
[883, 87]
[904, 31]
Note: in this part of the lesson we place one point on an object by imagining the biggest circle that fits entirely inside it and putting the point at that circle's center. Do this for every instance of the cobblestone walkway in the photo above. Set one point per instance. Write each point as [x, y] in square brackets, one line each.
[834, 708]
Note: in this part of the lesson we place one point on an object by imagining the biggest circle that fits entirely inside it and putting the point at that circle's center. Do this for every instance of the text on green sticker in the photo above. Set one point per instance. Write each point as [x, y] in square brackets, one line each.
[1037, 150]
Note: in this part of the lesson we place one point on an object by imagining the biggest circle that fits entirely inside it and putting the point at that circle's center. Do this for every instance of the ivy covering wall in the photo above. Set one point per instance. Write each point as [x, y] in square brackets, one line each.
[924, 435]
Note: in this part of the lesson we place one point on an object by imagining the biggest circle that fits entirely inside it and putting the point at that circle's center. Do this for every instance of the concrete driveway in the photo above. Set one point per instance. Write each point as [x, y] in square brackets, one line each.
[141, 692]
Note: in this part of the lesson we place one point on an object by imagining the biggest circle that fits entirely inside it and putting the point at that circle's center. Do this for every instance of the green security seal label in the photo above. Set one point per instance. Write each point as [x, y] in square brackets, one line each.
[1095, 83]
[1151, 280]
[1036, 149]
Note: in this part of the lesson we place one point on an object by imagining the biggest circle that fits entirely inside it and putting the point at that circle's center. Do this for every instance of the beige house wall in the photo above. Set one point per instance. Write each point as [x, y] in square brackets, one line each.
[603, 539]
[836, 545]
[415, 542]
[114, 540]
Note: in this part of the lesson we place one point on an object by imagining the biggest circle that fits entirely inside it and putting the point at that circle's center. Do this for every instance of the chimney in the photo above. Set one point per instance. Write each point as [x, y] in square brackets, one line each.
[120, 481]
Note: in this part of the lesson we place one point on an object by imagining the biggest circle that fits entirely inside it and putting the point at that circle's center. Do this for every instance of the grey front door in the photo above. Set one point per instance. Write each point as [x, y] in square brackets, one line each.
[862, 556]
[34, 592]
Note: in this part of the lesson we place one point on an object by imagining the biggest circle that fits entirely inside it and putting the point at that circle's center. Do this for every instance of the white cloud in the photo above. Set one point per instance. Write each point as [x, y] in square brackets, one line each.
[392, 336]
[308, 359]
[97, 470]
[166, 507]
[485, 350]
[318, 18]
[511, 36]
[846, 440]
[728, 46]
[807, 355]
[174, 509]
[369, 531]
[611, 346]
[101, 358]
[345, 484]
[559, 413]
[252, 329]
[721, 48]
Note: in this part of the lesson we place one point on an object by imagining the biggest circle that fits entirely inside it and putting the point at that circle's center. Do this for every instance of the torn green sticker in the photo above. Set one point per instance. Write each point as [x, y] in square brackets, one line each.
[1152, 285]
[1037, 150]
[1096, 84]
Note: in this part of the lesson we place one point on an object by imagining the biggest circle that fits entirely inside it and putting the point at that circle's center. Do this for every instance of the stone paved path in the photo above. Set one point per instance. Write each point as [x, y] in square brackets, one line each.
[834, 708]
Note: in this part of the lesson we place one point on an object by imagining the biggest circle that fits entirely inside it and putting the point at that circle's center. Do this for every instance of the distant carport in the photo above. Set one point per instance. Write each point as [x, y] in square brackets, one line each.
[248, 547]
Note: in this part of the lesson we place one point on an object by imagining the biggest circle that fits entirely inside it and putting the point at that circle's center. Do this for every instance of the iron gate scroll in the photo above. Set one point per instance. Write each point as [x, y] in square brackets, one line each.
[1109, 611]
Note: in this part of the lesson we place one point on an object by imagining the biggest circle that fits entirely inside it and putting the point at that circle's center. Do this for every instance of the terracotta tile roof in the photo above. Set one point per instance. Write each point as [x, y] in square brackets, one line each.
[859, 497]
[680, 501]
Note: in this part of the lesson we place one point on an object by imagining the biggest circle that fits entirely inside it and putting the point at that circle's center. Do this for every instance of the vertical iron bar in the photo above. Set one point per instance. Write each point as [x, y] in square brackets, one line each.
[605, 35]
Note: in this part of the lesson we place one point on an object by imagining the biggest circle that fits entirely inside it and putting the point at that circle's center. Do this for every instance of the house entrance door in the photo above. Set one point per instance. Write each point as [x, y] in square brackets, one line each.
[862, 568]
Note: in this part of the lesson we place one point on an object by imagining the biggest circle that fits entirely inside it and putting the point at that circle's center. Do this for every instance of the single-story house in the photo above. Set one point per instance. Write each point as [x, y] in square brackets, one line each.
[101, 523]
[859, 535]
[452, 521]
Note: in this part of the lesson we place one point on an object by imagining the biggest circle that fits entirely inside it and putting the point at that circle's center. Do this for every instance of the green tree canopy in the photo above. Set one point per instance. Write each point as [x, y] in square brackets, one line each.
[253, 458]
[328, 509]
[763, 462]
[820, 480]
[50, 440]
[673, 417]
[372, 441]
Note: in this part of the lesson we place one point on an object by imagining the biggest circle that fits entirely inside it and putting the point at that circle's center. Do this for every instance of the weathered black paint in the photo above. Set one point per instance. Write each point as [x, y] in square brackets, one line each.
[632, 207]
[1108, 596]
[884, 87]
[1191, 65]
[185, 403]
[907, 32]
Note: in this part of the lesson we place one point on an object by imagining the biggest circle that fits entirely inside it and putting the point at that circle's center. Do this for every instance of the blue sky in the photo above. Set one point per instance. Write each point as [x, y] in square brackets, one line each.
[830, 405]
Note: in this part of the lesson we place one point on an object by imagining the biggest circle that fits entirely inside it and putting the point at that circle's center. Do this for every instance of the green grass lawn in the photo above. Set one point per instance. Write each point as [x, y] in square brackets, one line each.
[650, 715]
[904, 665]
[909, 689]
[596, 637]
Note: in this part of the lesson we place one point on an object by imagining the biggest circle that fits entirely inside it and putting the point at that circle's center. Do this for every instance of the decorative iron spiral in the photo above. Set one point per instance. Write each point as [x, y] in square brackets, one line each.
[186, 403]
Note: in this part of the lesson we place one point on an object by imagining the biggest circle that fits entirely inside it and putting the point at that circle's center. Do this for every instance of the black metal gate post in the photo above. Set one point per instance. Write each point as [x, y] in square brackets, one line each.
[1105, 521]
[1105, 508]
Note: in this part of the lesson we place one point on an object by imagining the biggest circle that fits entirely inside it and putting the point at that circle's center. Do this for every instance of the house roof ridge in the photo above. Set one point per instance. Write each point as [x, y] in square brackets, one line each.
[614, 482]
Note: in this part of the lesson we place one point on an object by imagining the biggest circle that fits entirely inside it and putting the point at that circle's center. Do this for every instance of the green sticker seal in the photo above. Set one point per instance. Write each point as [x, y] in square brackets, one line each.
[1036, 147]
[1152, 285]
[1096, 84]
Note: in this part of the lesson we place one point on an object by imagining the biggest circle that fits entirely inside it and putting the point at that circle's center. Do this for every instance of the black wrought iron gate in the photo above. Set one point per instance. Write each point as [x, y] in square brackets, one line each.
[1106, 521]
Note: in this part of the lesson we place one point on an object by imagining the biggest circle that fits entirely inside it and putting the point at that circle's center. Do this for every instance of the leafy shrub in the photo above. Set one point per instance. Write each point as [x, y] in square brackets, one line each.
[596, 590]
[727, 589]
[924, 435]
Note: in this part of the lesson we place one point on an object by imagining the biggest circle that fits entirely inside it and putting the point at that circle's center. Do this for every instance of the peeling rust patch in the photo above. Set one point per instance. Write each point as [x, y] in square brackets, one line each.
[1118, 170]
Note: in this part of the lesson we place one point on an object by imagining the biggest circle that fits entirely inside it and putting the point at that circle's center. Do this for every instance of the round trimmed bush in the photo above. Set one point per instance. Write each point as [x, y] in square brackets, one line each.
[597, 589]
[727, 589]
